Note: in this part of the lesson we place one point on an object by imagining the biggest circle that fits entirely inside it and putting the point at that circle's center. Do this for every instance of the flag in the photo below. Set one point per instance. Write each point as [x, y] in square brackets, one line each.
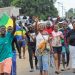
[6, 21]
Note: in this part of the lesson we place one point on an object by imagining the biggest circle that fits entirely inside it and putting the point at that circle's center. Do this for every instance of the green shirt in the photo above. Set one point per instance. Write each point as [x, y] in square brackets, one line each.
[6, 46]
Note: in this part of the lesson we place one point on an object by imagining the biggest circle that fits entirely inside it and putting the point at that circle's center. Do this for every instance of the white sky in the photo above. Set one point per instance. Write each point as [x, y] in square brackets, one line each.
[67, 5]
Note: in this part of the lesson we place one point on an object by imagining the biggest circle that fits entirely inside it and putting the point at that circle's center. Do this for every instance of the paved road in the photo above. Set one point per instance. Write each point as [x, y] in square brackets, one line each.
[23, 68]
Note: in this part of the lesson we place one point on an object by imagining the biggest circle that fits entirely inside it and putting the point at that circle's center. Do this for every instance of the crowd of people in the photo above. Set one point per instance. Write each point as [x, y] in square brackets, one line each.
[54, 40]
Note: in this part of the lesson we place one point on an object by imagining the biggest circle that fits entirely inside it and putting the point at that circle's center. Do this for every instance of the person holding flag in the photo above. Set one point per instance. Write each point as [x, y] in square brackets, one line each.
[6, 48]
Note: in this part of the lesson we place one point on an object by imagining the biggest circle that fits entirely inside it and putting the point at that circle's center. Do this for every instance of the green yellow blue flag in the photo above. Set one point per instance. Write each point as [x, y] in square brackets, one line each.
[5, 20]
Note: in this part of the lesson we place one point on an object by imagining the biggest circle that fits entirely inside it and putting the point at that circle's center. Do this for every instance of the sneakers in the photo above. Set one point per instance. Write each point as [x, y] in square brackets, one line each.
[32, 70]
[62, 69]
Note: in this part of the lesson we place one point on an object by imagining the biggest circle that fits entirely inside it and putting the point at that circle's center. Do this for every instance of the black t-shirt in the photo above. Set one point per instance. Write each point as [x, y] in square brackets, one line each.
[30, 41]
[71, 36]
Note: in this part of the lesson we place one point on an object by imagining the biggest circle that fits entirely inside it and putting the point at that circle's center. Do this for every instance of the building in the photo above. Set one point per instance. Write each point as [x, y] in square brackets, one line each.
[10, 11]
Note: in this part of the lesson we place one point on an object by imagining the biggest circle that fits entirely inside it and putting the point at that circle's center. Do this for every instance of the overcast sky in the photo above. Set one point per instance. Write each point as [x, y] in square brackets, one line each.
[67, 5]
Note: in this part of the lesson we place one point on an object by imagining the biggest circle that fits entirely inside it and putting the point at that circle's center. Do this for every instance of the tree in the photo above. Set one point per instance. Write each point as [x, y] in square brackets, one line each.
[70, 13]
[5, 3]
[36, 7]
[1, 3]
[42, 8]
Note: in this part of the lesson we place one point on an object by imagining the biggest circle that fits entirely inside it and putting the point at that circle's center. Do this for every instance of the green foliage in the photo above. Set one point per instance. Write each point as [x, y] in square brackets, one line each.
[5, 3]
[41, 8]
[1, 4]
[70, 13]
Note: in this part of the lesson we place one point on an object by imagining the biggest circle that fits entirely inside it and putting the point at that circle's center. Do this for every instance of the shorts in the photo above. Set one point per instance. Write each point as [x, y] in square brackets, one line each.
[23, 43]
[5, 66]
[57, 50]
[43, 62]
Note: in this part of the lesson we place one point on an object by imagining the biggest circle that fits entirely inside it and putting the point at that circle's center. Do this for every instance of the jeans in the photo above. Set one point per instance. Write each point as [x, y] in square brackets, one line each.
[30, 51]
[43, 62]
[65, 51]
[13, 71]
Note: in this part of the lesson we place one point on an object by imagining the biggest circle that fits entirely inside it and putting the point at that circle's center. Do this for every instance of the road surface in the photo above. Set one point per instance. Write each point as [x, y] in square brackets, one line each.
[23, 68]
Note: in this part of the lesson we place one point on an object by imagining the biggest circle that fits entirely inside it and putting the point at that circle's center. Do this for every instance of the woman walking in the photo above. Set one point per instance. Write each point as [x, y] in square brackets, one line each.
[57, 47]
[41, 51]
[65, 47]
[71, 41]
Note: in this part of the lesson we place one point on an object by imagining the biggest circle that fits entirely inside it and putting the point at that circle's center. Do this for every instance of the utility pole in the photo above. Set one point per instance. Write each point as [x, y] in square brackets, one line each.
[61, 6]
[62, 10]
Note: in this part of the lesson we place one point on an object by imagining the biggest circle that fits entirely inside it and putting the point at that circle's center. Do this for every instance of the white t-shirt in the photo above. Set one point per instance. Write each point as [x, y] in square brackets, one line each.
[40, 38]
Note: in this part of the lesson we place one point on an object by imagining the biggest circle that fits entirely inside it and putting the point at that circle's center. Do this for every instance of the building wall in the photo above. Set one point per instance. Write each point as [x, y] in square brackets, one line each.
[14, 11]
[10, 11]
